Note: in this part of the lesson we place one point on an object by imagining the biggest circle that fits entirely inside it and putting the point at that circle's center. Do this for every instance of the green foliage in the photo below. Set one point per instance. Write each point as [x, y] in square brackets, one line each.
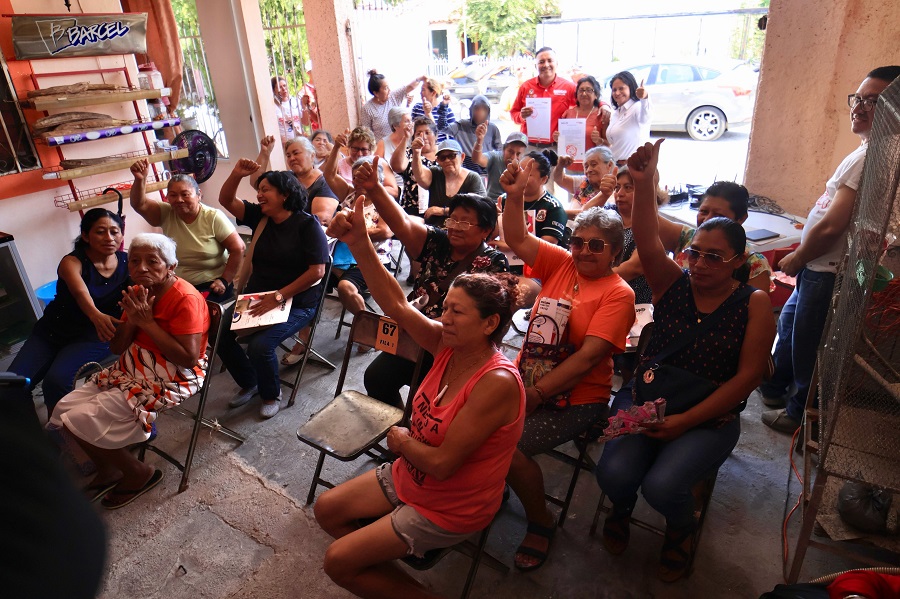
[504, 27]
[747, 41]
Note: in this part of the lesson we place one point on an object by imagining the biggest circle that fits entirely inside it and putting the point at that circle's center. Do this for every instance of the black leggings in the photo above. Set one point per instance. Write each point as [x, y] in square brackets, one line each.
[387, 374]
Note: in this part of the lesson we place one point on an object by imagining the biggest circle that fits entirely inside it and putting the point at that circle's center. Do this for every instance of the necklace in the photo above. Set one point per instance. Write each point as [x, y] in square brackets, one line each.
[701, 316]
[451, 378]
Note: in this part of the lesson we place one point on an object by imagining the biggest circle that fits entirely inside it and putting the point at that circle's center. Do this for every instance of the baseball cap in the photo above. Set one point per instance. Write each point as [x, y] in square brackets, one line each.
[516, 137]
[449, 144]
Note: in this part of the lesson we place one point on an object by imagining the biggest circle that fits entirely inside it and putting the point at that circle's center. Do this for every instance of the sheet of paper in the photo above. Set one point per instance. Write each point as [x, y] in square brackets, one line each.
[539, 120]
[571, 138]
[511, 256]
[241, 318]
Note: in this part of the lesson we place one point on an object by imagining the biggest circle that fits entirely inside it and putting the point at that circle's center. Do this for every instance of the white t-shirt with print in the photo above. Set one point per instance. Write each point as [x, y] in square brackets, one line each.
[848, 173]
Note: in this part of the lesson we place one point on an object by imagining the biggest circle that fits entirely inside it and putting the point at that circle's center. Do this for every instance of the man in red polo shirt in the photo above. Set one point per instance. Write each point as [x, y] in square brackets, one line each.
[547, 84]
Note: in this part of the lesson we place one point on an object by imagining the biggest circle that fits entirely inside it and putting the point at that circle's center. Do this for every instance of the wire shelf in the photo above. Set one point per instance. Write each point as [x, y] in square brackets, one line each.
[154, 183]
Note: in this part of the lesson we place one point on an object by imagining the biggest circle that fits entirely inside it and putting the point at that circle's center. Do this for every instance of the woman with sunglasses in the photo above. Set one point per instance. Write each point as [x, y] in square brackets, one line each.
[444, 181]
[693, 441]
[602, 312]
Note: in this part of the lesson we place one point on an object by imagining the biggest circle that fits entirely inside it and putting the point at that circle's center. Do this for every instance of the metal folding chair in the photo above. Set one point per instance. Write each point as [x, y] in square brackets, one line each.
[353, 424]
[309, 352]
[216, 324]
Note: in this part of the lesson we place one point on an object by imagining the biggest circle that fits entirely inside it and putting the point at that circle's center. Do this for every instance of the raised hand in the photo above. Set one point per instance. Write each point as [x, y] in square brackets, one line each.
[642, 164]
[481, 131]
[245, 167]
[417, 144]
[446, 98]
[564, 161]
[608, 183]
[365, 178]
[138, 305]
[595, 136]
[640, 92]
[140, 169]
[515, 178]
[350, 226]
[426, 106]
[340, 140]
[409, 99]
[266, 144]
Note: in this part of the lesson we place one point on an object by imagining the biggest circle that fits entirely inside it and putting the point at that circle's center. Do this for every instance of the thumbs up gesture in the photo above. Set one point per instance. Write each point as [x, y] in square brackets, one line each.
[595, 136]
[340, 140]
[640, 92]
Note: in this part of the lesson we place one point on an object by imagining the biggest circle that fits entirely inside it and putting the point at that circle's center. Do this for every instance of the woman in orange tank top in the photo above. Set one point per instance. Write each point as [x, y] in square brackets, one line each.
[467, 417]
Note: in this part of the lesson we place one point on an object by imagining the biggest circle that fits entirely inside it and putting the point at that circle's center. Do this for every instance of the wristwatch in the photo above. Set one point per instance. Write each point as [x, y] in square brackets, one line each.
[279, 298]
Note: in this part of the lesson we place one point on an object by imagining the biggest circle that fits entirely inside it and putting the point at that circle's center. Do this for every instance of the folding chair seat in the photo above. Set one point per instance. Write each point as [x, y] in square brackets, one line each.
[216, 324]
[353, 424]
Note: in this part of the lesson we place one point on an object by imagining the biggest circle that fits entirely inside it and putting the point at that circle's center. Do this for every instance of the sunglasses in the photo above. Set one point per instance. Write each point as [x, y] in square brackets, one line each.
[446, 156]
[595, 245]
[712, 260]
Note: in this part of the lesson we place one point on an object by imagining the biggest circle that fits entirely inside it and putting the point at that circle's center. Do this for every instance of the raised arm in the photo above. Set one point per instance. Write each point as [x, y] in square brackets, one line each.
[659, 270]
[478, 155]
[560, 177]
[411, 233]
[515, 233]
[264, 158]
[70, 271]
[228, 193]
[147, 208]
[421, 173]
[350, 227]
[607, 187]
[330, 168]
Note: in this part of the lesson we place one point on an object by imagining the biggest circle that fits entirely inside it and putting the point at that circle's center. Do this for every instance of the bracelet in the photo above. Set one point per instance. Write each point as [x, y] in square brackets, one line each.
[540, 393]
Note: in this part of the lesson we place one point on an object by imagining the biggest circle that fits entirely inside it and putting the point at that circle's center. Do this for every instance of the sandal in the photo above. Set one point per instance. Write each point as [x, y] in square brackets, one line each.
[674, 561]
[541, 531]
[120, 497]
[616, 532]
[290, 358]
[96, 490]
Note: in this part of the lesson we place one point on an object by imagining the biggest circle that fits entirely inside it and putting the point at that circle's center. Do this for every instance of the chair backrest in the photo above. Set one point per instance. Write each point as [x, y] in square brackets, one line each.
[365, 331]
[644, 339]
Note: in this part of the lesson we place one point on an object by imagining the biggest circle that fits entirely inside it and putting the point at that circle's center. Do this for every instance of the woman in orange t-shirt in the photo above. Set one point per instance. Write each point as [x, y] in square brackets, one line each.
[602, 312]
[466, 420]
[162, 342]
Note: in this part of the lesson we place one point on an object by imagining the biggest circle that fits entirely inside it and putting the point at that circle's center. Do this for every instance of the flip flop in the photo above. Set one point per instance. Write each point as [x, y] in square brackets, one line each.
[674, 562]
[120, 498]
[541, 531]
[95, 491]
[616, 532]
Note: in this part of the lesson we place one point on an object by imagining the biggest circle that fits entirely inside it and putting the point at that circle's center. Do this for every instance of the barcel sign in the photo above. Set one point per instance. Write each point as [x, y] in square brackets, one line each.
[63, 36]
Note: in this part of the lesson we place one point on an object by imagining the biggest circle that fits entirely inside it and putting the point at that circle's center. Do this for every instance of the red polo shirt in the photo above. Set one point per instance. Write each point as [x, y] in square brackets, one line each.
[562, 94]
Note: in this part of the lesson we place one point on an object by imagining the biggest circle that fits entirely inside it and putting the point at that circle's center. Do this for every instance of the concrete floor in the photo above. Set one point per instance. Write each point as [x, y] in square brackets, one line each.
[241, 530]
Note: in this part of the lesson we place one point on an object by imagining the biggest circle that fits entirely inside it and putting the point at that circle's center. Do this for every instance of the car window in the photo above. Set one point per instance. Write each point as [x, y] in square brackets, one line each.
[641, 73]
[674, 73]
[707, 74]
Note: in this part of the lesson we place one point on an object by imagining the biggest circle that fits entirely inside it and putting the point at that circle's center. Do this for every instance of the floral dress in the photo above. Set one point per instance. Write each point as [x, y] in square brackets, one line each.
[410, 201]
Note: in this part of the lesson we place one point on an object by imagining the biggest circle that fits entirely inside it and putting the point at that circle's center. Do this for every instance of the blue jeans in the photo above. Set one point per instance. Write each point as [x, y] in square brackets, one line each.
[665, 471]
[42, 360]
[258, 367]
[800, 329]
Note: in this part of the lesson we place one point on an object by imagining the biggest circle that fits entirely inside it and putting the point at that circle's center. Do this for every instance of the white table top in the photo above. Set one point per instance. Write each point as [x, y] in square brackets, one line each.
[787, 234]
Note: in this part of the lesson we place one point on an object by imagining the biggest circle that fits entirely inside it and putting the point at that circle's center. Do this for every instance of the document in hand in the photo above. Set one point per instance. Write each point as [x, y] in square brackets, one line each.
[243, 320]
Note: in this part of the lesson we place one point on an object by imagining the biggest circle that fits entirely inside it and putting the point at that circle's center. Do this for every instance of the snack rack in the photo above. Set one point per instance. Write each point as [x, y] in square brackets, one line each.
[78, 198]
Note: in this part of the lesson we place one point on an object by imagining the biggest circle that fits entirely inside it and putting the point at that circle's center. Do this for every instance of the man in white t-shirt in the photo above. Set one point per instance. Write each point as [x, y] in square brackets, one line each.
[814, 263]
[288, 111]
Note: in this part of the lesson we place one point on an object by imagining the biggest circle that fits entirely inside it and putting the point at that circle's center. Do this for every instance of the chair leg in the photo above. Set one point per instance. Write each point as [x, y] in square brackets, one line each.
[571, 491]
[476, 561]
[600, 509]
[316, 478]
[340, 324]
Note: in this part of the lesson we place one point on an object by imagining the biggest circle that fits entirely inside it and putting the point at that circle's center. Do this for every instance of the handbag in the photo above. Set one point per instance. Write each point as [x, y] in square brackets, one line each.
[681, 389]
[243, 276]
[538, 358]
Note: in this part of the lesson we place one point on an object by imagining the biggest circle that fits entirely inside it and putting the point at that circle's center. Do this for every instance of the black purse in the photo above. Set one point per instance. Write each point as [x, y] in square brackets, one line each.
[682, 389]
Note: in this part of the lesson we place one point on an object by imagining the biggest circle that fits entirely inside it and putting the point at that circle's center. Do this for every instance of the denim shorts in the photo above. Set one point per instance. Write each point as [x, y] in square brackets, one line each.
[417, 531]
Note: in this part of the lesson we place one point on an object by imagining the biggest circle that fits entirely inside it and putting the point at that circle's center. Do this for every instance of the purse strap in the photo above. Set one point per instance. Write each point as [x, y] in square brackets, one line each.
[240, 281]
[705, 325]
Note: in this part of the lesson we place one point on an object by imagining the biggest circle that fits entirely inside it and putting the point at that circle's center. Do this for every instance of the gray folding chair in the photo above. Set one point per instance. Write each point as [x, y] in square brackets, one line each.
[216, 324]
[353, 424]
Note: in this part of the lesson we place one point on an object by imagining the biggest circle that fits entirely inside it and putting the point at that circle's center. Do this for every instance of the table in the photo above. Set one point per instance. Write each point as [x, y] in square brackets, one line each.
[682, 213]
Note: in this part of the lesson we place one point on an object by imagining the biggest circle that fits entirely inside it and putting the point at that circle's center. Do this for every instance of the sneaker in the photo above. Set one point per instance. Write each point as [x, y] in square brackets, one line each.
[775, 402]
[270, 408]
[242, 397]
[780, 421]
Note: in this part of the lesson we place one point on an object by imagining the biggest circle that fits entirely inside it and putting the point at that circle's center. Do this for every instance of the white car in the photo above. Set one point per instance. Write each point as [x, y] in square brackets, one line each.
[698, 97]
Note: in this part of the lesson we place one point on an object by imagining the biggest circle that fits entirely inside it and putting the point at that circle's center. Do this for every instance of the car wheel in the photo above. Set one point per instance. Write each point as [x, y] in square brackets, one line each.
[707, 124]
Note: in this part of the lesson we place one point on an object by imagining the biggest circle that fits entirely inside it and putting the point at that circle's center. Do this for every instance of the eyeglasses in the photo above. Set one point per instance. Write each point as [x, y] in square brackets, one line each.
[595, 245]
[868, 104]
[446, 156]
[359, 150]
[585, 90]
[712, 260]
[452, 223]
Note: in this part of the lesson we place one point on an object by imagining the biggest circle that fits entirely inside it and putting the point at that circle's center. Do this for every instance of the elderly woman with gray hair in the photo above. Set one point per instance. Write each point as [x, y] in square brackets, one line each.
[162, 342]
[597, 184]
[400, 120]
[210, 250]
[583, 289]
